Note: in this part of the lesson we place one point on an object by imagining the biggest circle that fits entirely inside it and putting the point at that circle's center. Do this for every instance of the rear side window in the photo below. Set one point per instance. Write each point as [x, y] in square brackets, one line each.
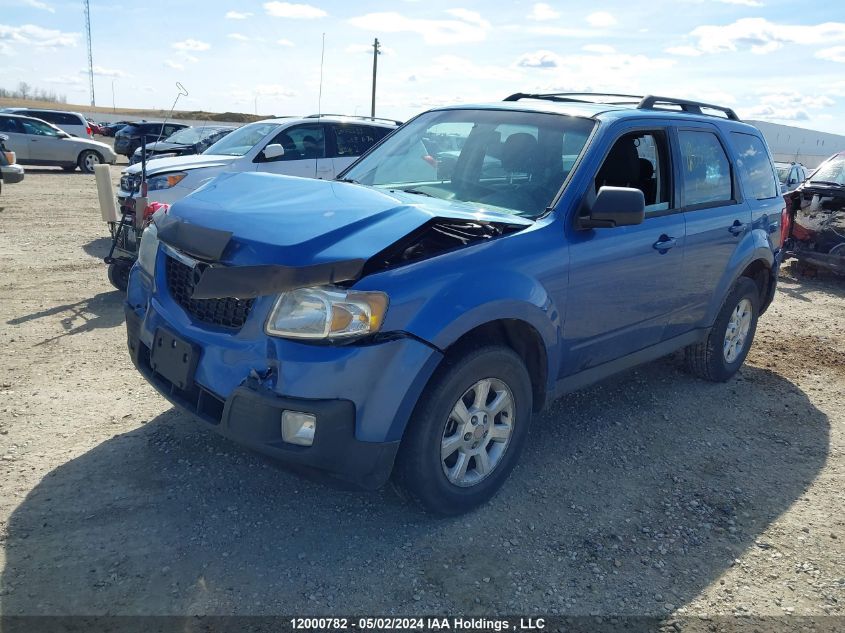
[755, 166]
[705, 169]
[354, 140]
[9, 125]
[57, 118]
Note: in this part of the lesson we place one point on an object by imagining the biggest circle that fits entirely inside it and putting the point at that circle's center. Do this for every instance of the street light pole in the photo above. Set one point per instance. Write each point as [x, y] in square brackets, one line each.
[376, 53]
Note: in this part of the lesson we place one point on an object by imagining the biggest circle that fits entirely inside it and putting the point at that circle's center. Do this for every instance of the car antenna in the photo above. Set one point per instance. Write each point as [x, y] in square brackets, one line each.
[181, 92]
[320, 100]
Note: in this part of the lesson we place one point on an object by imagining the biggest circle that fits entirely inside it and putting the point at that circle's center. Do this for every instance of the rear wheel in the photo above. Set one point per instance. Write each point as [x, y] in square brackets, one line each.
[722, 354]
[467, 431]
[88, 160]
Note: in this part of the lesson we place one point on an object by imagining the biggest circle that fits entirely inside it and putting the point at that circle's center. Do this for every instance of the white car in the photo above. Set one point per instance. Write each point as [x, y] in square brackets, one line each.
[312, 147]
[71, 122]
[36, 142]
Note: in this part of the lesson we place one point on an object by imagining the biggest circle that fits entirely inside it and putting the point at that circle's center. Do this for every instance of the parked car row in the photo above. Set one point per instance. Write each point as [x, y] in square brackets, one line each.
[408, 318]
[36, 142]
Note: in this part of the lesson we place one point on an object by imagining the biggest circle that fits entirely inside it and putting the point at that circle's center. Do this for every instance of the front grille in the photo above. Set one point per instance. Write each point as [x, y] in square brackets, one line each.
[130, 183]
[227, 312]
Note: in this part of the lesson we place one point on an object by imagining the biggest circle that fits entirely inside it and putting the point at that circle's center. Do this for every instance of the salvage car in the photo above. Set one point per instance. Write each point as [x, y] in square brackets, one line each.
[790, 175]
[37, 142]
[385, 324]
[815, 231]
[10, 172]
[129, 138]
[312, 146]
[185, 142]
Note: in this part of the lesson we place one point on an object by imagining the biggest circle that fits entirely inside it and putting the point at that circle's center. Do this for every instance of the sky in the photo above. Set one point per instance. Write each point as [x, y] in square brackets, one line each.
[774, 60]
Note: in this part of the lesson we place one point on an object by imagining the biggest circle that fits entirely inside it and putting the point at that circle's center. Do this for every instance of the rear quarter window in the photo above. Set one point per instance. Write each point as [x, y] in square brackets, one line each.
[705, 169]
[354, 140]
[755, 166]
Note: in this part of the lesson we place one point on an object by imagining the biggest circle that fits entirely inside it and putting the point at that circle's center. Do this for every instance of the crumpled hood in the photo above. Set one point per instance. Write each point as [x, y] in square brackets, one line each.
[300, 221]
[181, 163]
[164, 146]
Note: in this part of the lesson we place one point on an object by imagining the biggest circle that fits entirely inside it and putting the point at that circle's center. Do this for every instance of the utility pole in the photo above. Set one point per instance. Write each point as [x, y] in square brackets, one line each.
[376, 53]
[113, 109]
[90, 58]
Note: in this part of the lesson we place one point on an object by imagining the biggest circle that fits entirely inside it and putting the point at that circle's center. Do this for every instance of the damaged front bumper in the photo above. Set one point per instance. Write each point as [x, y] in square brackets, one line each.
[362, 395]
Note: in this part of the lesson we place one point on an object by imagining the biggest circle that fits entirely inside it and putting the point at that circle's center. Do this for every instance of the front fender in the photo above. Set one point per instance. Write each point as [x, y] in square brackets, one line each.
[754, 246]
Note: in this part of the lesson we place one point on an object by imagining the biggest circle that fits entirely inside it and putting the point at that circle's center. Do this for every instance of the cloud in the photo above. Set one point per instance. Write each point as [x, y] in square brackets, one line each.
[36, 4]
[761, 36]
[191, 45]
[604, 49]
[294, 11]
[274, 90]
[467, 26]
[100, 71]
[33, 35]
[767, 112]
[787, 106]
[832, 54]
[284, 42]
[601, 19]
[66, 80]
[542, 11]
[684, 51]
[237, 15]
[539, 59]
[174, 65]
[238, 36]
[744, 3]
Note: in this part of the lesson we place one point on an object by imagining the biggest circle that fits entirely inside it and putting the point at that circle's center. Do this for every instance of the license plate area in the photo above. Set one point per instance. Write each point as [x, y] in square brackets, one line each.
[174, 359]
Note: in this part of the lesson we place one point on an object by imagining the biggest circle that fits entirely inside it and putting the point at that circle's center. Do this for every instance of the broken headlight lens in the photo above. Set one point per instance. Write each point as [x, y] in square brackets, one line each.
[148, 250]
[326, 313]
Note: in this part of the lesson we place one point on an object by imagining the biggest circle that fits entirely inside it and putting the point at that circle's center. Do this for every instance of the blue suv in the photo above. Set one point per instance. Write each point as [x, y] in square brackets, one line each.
[409, 318]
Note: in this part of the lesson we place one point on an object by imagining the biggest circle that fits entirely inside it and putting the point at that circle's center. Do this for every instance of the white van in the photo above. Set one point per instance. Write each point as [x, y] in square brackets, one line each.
[71, 122]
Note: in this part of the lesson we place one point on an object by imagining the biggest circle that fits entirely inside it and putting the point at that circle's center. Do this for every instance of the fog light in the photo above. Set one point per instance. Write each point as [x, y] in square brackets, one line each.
[298, 427]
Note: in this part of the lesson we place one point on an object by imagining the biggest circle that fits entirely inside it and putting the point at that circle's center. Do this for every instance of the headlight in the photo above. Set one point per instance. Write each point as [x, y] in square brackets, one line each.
[165, 181]
[326, 313]
[148, 250]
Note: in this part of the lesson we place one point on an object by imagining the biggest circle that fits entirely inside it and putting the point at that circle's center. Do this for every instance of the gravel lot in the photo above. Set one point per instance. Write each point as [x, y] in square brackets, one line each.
[648, 494]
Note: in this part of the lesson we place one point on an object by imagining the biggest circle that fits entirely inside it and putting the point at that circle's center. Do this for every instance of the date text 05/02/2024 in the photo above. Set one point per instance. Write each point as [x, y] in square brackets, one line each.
[418, 624]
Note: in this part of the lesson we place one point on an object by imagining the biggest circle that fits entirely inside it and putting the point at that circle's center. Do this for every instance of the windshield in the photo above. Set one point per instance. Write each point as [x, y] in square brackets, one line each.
[783, 172]
[514, 161]
[191, 135]
[833, 171]
[241, 140]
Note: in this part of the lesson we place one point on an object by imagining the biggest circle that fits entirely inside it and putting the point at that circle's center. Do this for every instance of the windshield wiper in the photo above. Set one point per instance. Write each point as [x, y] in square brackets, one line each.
[418, 192]
[827, 182]
[349, 180]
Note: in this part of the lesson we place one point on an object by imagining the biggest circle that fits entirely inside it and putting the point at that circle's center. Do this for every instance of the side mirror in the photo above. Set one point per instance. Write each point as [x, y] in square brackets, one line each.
[615, 206]
[272, 151]
[64, 135]
[793, 181]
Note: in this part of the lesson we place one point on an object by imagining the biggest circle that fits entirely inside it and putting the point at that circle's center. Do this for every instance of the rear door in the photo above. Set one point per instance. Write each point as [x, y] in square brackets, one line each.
[305, 152]
[18, 141]
[716, 218]
[351, 140]
[624, 282]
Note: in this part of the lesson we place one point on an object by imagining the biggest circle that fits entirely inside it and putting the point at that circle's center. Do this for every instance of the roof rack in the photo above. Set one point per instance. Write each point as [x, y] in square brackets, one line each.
[354, 116]
[648, 102]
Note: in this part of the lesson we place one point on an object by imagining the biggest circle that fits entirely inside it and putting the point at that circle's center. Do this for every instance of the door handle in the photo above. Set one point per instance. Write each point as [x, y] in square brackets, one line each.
[737, 228]
[664, 243]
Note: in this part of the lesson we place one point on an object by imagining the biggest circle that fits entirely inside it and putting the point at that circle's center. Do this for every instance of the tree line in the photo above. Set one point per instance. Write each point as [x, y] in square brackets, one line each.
[34, 93]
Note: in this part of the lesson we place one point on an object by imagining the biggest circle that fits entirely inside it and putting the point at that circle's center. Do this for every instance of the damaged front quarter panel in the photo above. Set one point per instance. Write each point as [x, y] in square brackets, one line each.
[817, 226]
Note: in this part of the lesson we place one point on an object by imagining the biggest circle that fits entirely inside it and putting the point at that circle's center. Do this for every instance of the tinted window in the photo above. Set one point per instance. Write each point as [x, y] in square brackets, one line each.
[705, 169]
[302, 141]
[354, 140]
[755, 167]
[9, 125]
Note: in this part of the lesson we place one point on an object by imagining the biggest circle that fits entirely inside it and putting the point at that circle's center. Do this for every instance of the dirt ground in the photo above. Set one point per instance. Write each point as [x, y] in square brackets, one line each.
[652, 493]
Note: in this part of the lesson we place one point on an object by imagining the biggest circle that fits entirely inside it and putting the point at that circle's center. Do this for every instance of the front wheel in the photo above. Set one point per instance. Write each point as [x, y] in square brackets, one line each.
[119, 276]
[88, 160]
[722, 354]
[467, 431]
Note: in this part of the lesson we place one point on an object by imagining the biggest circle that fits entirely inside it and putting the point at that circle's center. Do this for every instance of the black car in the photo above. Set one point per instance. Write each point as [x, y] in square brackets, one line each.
[128, 139]
[110, 129]
[191, 140]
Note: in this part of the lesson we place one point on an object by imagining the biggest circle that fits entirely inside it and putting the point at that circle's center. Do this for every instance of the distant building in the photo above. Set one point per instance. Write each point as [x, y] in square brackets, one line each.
[798, 144]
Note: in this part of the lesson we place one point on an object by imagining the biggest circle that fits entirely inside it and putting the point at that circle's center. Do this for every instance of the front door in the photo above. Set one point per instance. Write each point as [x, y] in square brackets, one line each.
[623, 285]
[305, 153]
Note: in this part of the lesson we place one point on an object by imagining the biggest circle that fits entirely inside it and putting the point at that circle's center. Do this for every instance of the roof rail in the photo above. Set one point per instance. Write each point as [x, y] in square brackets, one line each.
[694, 107]
[648, 102]
[572, 97]
[353, 116]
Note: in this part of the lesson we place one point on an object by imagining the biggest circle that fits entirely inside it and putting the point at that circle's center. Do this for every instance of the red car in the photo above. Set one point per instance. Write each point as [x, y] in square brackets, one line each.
[95, 127]
[815, 217]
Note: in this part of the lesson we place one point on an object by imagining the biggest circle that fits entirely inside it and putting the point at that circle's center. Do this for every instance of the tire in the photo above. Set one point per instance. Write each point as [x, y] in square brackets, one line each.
[712, 359]
[119, 276]
[68, 168]
[420, 467]
[87, 160]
